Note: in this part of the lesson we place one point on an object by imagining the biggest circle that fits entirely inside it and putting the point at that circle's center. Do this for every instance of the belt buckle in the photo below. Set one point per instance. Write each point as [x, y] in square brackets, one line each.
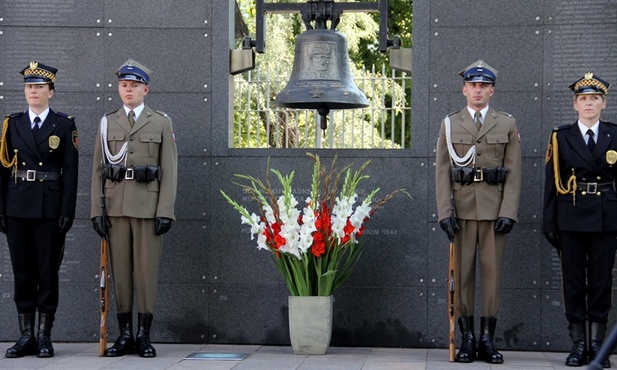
[478, 176]
[30, 175]
[595, 187]
[130, 174]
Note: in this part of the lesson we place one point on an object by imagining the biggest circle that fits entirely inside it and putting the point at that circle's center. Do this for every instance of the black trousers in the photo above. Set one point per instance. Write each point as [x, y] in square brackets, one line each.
[36, 250]
[587, 261]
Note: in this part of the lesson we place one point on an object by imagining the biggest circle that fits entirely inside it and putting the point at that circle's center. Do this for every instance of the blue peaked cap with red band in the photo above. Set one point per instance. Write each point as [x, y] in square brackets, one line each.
[132, 70]
[479, 71]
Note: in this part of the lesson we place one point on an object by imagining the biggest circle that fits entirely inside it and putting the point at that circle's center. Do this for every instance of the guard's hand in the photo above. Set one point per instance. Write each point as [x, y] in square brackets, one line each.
[162, 225]
[450, 226]
[504, 225]
[553, 238]
[100, 225]
[65, 224]
[3, 224]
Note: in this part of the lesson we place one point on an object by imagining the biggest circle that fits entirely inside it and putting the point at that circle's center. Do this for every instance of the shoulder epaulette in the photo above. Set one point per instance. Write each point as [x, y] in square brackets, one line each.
[67, 116]
[452, 113]
[609, 123]
[112, 112]
[561, 127]
[17, 114]
[504, 113]
[162, 113]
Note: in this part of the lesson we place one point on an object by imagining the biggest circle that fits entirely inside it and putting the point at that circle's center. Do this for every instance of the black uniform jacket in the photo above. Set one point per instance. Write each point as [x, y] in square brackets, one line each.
[54, 150]
[584, 211]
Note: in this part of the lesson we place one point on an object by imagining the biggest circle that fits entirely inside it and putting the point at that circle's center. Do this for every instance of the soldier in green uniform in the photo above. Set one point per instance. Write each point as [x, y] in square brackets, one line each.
[478, 185]
[135, 167]
[38, 194]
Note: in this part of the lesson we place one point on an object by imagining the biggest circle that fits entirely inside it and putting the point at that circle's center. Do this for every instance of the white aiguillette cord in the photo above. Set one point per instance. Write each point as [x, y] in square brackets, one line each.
[111, 158]
[470, 157]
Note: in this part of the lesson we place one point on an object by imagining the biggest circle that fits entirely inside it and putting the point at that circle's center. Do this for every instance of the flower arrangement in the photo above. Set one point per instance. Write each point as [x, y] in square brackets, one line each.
[315, 245]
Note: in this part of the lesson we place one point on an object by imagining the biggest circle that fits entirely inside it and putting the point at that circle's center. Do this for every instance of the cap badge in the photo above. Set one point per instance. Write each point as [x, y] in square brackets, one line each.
[34, 65]
[588, 76]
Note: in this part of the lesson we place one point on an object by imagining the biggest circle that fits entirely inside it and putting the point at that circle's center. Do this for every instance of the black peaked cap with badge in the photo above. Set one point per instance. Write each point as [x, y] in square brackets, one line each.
[39, 73]
[590, 84]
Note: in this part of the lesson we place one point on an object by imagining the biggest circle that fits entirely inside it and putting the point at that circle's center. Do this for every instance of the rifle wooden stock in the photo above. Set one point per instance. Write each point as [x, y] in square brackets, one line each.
[452, 303]
[104, 297]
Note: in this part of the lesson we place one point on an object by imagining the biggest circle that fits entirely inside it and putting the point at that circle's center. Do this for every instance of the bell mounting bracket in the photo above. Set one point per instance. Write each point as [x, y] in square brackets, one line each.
[320, 11]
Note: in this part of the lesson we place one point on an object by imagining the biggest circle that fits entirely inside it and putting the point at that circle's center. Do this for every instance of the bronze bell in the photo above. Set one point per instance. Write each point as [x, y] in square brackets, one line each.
[320, 78]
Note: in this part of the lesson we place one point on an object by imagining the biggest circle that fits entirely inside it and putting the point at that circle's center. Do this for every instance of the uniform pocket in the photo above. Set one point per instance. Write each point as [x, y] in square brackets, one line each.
[116, 140]
[153, 141]
[462, 143]
[497, 143]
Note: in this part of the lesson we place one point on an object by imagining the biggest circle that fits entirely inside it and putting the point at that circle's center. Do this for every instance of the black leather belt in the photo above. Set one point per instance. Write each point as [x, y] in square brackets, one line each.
[34, 175]
[594, 187]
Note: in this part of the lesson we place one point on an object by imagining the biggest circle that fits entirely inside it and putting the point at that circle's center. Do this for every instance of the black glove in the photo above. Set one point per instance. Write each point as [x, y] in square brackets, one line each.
[450, 226]
[100, 225]
[553, 238]
[504, 225]
[3, 224]
[162, 224]
[65, 224]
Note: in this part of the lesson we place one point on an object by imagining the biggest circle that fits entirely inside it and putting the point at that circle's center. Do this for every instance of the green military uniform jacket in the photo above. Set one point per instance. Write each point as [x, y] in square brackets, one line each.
[497, 144]
[150, 142]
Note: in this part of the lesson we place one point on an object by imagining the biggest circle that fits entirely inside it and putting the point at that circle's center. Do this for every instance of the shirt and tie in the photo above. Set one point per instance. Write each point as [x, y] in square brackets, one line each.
[36, 120]
[133, 114]
[590, 134]
[478, 116]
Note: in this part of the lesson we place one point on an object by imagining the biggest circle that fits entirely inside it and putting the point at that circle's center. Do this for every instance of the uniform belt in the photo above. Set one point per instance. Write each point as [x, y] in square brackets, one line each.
[594, 187]
[34, 175]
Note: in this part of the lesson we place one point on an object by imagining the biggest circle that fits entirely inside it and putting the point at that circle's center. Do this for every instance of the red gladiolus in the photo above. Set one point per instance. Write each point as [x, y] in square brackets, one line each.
[280, 241]
[319, 245]
[348, 229]
[360, 231]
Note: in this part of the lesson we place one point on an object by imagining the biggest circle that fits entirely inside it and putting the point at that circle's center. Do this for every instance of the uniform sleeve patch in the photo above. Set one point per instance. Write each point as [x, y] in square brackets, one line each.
[75, 140]
[549, 153]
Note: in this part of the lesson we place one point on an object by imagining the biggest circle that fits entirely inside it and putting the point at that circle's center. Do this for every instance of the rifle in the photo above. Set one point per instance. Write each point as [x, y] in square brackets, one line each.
[452, 303]
[104, 295]
[104, 271]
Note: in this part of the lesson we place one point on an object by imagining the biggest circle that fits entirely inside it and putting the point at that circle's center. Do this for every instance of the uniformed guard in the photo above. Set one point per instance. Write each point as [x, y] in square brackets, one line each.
[38, 192]
[135, 168]
[478, 183]
[580, 215]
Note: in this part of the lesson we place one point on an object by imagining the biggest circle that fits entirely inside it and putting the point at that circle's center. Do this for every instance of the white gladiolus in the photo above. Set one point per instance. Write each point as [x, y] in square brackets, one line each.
[253, 222]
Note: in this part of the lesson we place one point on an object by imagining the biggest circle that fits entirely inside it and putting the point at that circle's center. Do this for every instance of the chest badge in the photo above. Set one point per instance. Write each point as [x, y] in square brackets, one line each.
[611, 157]
[54, 142]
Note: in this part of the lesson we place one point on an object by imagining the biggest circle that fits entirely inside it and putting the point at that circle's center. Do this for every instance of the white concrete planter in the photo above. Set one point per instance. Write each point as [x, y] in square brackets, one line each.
[310, 324]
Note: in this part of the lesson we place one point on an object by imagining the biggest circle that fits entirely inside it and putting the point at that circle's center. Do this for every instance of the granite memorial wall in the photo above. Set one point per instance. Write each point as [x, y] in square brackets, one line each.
[215, 287]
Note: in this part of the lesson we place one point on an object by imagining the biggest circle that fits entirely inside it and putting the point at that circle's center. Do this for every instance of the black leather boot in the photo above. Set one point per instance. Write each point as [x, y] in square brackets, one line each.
[26, 345]
[125, 344]
[578, 354]
[144, 347]
[486, 344]
[596, 336]
[467, 352]
[46, 322]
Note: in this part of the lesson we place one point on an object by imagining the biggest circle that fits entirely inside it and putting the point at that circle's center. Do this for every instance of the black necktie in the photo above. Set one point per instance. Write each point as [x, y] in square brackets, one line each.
[131, 118]
[36, 127]
[591, 143]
